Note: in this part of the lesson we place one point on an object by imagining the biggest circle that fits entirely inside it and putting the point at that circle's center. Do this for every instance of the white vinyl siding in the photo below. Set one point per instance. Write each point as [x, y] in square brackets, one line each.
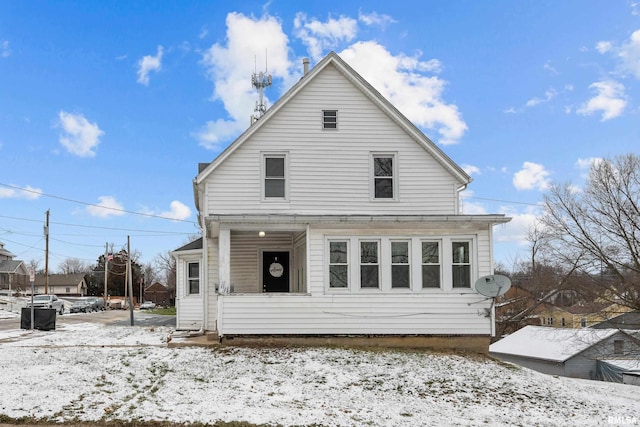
[330, 172]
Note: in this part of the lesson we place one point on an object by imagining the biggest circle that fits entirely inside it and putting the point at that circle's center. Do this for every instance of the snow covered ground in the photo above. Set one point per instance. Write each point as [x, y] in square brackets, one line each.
[94, 372]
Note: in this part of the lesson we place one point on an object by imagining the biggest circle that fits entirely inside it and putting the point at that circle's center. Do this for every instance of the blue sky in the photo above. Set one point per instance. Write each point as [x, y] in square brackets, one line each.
[113, 104]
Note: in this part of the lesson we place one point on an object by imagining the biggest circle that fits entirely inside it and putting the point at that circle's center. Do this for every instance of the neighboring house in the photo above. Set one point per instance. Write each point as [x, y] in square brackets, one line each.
[71, 285]
[334, 215]
[14, 276]
[566, 352]
[578, 315]
[158, 294]
[630, 320]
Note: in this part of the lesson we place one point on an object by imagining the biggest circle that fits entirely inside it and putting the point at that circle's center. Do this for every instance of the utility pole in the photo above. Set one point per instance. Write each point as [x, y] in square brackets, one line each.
[130, 279]
[46, 254]
[106, 272]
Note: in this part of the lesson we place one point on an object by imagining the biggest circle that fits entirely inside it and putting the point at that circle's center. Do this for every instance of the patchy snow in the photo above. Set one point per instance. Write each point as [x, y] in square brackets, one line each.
[92, 372]
[557, 344]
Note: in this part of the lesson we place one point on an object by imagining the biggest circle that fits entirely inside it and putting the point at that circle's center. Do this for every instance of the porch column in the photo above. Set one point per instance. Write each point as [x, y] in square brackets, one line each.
[224, 260]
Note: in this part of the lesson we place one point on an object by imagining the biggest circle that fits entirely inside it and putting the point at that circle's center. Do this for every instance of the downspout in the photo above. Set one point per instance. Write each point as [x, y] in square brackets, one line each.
[205, 265]
[203, 262]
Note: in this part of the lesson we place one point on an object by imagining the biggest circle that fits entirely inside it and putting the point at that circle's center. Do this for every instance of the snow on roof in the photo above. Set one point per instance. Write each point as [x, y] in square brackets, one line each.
[556, 344]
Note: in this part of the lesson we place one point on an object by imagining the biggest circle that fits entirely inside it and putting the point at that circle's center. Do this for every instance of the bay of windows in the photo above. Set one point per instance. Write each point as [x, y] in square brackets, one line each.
[388, 264]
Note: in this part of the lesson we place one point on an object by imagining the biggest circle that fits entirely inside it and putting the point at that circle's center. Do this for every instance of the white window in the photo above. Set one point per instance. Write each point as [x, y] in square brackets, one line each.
[384, 177]
[431, 264]
[329, 119]
[339, 264]
[461, 264]
[193, 278]
[400, 266]
[369, 264]
[274, 176]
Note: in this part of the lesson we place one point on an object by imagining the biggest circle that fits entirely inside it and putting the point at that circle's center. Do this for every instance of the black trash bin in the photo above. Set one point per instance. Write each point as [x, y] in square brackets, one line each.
[43, 318]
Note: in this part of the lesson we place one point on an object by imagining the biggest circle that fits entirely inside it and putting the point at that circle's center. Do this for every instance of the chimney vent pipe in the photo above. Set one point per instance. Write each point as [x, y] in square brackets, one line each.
[305, 65]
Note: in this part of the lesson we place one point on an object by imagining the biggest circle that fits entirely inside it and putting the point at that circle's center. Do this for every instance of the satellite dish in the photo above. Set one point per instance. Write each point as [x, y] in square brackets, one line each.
[493, 285]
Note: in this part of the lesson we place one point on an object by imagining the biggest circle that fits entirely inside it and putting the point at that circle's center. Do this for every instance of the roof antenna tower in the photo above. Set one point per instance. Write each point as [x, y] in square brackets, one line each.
[260, 81]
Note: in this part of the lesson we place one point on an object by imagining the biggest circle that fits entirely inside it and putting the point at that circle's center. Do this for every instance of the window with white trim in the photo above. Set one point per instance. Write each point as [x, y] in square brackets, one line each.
[400, 265]
[339, 264]
[193, 278]
[384, 176]
[431, 264]
[461, 264]
[274, 176]
[330, 119]
[369, 264]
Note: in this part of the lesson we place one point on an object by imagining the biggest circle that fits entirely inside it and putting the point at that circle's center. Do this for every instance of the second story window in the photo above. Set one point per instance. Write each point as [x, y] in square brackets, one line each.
[329, 119]
[384, 176]
[274, 176]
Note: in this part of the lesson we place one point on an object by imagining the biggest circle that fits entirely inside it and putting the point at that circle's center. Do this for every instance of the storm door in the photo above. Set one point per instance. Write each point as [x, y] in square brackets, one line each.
[275, 271]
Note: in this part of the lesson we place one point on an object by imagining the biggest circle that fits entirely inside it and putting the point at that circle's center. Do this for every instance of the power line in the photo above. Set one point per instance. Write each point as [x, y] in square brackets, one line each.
[66, 199]
[501, 201]
[159, 233]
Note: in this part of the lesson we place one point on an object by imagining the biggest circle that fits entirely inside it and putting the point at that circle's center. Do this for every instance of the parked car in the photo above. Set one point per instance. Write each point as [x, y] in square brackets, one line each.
[97, 303]
[47, 301]
[81, 306]
[147, 305]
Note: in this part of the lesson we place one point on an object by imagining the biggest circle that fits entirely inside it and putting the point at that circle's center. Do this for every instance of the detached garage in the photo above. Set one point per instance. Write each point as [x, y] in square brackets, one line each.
[566, 352]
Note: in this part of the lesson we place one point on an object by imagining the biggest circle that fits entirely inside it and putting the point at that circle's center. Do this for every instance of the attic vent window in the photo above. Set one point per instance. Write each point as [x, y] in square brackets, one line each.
[330, 119]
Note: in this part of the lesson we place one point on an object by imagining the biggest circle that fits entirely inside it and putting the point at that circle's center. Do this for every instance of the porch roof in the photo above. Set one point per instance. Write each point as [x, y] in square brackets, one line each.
[297, 222]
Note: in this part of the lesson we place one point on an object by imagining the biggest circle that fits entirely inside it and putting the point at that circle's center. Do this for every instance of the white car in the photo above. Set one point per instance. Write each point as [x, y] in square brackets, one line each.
[147, 305]
[47, 301]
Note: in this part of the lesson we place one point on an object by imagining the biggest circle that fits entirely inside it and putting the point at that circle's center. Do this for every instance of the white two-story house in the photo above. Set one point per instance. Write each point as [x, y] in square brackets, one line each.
[333, 215]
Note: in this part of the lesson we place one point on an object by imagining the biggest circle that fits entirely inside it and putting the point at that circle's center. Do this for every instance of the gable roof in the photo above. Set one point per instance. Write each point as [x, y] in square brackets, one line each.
[196, 244]
[11, 266]
[369, 91]
[60, 279]
[554, 344]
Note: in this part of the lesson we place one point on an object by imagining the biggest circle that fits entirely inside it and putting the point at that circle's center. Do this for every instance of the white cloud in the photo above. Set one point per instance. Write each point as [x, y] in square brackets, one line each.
[227, 66]
[322, 36]
[550, 68]
[178, 211]
[548, 96]
[147, 64]
[517, 229]
[604, 47]
[5, 52]
[375, 18]
[106, 206]
[531, 176]
[469, 207]
[80, 137]
[401, 80]
[470, 169]
[586, 163]
[627, 54]
[610, 99]
[27, 193]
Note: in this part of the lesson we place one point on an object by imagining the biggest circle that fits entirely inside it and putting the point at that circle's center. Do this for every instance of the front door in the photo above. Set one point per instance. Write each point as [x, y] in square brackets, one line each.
[275, 271]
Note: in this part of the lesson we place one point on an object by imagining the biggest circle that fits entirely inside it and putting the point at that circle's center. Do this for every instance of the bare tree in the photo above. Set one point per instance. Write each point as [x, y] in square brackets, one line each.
[74, 266]
[601, 227]
[165, 263]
